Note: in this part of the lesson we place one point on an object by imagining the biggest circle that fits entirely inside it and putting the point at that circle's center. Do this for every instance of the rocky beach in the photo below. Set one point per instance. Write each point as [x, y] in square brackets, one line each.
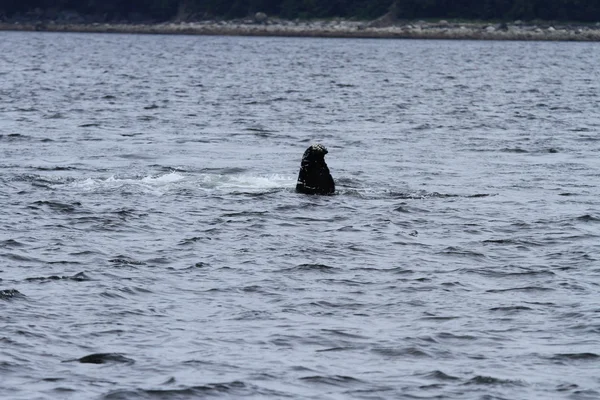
[260, 25]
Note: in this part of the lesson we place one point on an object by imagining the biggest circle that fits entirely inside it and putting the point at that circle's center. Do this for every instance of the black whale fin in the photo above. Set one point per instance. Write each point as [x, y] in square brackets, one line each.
[314, 176]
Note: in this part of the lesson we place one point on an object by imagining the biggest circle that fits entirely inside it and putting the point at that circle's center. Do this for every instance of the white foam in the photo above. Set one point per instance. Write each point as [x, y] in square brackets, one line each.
[162, 179]
[89, 182]
[261, 182]
[246, 182]
[151, 184]
[159, 184]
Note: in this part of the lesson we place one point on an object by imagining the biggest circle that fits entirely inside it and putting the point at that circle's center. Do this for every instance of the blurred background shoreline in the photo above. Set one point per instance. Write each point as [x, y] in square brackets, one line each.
[335, 28]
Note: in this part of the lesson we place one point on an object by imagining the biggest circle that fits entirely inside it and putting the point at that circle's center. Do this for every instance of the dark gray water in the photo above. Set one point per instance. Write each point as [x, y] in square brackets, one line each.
[152, 245]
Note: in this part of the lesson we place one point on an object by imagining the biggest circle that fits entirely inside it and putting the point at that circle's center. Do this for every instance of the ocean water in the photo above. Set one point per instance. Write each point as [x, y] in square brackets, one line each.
[152, 245]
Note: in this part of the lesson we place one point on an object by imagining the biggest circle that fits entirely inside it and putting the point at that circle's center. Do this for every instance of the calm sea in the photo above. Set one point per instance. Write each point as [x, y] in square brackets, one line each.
[152, 245]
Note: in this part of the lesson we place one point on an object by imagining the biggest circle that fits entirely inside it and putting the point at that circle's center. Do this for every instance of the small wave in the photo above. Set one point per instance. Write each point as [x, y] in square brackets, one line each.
[451, 336]
[134, 134]
[58, 168]
[338, 332]
[193, 240]
[511, 309]
[588, 218]
[328, 304]
[575, 356]
[420, 195]
[11, 294]
[477, 195]
[199, 264]
[423, 127]
[432, 317]
[253, 315]
[245, 214]
[423, 195]
[260, 132]
[224, 171]
[490, 380]
[104, 358]
[348, 228]
[56, 115]
[402, 352]
[521, 289]
[335, 380]
[56, 206]
[310, 268]
[495, 273]
[391, 194]
[126, 213]
[51, 182]
[125, 291]
[440, 376]
[79, 277]
[235, 388]
[456, 251]
[19, 257]
[563, 387]
[124, 261]
[11, 243]
[514, 150]
[335, 349]
[15, 137]
[8, 367]
[510, 242]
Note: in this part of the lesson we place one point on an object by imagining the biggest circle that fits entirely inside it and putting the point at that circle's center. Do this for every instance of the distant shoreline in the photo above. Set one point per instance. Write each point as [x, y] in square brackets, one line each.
[545, 31]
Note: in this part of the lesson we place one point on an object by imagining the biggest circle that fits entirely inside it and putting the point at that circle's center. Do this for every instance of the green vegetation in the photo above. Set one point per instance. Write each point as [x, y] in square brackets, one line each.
[163, 10]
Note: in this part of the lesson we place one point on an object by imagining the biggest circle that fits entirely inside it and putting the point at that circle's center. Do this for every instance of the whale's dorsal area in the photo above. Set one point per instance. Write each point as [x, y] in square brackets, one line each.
[314, 176]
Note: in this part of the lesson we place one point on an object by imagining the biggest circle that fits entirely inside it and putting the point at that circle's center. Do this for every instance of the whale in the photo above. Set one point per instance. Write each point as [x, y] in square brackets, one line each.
[314, 176]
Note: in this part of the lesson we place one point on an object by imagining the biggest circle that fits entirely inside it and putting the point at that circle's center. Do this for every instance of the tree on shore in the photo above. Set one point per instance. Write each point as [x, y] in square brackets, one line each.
[164, 10]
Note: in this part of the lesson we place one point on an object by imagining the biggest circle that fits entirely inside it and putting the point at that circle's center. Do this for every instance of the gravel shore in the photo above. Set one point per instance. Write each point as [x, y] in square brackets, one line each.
[442, 29]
